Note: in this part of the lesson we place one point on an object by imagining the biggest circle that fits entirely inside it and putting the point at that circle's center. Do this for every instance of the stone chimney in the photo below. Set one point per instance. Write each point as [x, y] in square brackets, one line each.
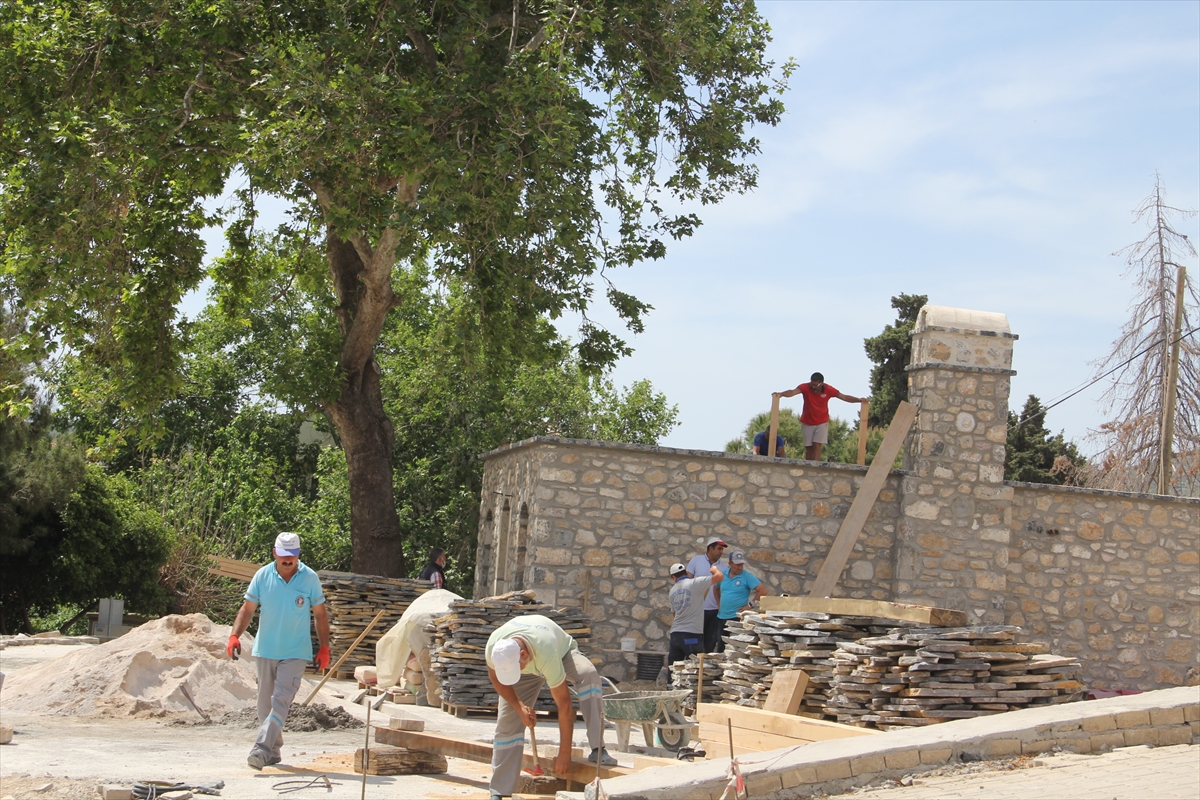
[952, 548]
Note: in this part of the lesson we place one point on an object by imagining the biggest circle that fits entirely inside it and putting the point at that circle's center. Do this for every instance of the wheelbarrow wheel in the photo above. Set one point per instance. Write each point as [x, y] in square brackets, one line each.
[673, 738]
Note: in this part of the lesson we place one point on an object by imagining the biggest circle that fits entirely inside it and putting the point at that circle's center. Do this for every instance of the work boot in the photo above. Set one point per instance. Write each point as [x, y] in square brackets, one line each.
[257, 759]
[605, 759]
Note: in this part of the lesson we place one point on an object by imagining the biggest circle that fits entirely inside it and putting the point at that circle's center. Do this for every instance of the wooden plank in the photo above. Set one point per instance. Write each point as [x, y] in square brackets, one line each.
[864, 501]
[404, 724]
[773, 429]
[787, 690]
[753, 740]
[581, 771]
[844, 606]
[756, 719]
[862, 433]
[722, 747]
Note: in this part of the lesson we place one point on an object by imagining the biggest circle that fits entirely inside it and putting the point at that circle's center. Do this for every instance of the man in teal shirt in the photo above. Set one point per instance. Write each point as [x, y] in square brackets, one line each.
[291, 597]
[738, 591]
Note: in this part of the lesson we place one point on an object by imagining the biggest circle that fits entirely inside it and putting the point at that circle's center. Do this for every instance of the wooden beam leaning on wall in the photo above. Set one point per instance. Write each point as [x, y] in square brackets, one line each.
[864, 501]
[755, 730]
[844, 606]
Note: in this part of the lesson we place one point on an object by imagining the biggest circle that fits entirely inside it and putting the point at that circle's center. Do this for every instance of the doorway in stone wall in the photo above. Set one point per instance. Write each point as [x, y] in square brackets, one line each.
[503, 543]
[519, 566]
[486, 552]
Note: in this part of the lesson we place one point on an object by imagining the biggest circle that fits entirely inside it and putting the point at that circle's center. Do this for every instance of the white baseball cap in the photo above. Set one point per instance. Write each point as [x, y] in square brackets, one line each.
[677, 568]
[506, 661]
[287, 544]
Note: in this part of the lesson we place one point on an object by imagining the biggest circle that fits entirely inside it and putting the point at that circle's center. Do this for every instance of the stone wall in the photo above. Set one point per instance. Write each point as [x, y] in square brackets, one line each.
[1110, 577]
[609, 519]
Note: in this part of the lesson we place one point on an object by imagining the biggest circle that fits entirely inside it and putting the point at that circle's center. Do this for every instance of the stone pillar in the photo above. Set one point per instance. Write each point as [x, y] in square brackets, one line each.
[952, 548]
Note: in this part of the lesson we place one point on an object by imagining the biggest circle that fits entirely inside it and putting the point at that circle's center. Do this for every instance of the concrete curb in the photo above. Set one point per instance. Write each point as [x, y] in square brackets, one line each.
[1163, 717]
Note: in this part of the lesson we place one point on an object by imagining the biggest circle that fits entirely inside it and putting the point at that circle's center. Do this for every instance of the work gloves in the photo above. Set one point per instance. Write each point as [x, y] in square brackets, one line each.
[233, 648]
[322, 658]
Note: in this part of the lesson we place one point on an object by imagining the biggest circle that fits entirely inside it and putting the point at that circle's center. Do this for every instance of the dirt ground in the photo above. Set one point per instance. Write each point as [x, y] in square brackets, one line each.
[75, 754]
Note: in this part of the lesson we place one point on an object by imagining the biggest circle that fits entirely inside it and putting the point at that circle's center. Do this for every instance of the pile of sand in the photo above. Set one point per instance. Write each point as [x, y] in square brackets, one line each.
[142, 673]
[317, 717]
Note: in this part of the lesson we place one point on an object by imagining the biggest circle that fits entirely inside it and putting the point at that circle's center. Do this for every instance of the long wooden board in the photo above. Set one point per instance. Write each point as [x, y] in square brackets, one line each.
[864, 501]
[773, 428]
[581, 771]
[787, 690]
[231, 568]
[928, 615]
[805, 729]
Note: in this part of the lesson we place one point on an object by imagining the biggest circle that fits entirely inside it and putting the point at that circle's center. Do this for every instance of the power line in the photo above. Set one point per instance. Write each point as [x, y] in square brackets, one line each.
[1099, 378]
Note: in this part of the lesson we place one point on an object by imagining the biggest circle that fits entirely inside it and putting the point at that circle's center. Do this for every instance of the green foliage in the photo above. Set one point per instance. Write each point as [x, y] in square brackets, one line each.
[1033, 455]
[100, 543]
[891, 351]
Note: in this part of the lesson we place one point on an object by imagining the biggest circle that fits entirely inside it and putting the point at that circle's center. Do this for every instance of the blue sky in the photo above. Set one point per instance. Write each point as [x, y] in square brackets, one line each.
[985, 154]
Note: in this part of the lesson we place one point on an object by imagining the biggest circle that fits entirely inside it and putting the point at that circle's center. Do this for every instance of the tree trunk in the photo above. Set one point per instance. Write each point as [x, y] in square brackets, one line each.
[366, 432]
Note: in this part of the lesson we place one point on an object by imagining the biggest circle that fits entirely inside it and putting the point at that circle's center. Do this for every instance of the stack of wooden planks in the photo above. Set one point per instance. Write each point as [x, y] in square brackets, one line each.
[920, 676]
[353, 602]
[461, 638]
[760, 644]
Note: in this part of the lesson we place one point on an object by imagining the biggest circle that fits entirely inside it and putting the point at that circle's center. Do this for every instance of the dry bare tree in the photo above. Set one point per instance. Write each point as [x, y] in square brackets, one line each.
[1131, 441]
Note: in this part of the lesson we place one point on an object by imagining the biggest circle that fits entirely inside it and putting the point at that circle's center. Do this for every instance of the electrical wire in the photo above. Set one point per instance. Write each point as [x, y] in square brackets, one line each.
[1099, 378]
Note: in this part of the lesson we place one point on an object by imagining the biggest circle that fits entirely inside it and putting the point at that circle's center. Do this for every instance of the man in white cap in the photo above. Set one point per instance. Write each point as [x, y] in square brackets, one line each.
[687, 601]
[522, 655]
[739, 592]
[698, 567]
[291, 597]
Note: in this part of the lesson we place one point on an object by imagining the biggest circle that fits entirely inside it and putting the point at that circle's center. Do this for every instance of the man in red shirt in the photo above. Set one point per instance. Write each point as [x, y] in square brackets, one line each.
[814, 420]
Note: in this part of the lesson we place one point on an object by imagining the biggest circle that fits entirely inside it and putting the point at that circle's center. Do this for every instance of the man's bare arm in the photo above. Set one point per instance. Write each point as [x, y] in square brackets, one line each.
[244, 615]
[321, 617]
[849, 398]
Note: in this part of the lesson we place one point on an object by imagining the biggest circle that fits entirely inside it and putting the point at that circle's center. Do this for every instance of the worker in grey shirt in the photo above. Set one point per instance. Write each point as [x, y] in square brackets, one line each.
[687, 600]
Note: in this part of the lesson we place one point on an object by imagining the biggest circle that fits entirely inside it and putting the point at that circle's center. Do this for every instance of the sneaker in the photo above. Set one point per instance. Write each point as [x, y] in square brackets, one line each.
[273, 761]
[605, 759]
[257, 759]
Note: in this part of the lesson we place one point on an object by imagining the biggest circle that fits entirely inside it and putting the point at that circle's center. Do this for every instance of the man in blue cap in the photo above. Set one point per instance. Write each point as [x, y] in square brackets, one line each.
[291, 597]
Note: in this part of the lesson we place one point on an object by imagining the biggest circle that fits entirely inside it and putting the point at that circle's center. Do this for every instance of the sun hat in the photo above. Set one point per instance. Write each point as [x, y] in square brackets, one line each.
[506, 661]
[287, 544]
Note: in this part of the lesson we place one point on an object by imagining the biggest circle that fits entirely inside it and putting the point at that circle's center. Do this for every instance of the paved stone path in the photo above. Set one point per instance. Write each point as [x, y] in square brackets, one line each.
[1129, 773]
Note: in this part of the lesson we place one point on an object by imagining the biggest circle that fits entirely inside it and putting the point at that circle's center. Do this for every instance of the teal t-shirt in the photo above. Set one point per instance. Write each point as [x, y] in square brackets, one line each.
[284, 612]
[735, 593]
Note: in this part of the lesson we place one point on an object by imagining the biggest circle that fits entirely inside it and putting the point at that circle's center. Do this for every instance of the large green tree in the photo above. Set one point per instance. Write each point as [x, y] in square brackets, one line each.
[521, 148]
[891, 351]
[1033, 454]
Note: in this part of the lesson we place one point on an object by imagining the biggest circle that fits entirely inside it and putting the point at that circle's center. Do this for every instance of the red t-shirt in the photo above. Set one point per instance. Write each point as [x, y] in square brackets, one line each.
[816, 406]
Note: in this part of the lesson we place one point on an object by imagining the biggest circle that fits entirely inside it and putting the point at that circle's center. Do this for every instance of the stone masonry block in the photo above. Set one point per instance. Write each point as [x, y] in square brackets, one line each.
[834, 770]
[1132, 719]
[1099, 724]
[1174, 734]
[764, 784]
[1195, 726]
[936, 755]
[1041, 746]
[868, 764]
[1166, 716]
[1191, 712]
[798, 777]
[1107, 741]
[1000, 748]
[905, 759]
[1136, 736]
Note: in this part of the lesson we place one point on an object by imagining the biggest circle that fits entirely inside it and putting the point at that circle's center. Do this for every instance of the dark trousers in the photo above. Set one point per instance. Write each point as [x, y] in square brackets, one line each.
[683, 645]
[721, 625]
[712, 631]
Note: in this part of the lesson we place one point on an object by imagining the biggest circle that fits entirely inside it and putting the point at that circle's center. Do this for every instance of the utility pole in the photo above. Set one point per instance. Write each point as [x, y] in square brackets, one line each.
[1168, 423]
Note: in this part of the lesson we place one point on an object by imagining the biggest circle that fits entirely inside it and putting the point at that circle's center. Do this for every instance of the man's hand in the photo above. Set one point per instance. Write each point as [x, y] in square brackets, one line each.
[562, 761]
[322, 658]
[233, 648]
[527, 714]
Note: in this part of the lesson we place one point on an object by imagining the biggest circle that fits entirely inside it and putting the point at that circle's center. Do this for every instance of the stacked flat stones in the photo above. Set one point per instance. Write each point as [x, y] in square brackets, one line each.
[354, 600]
[460, 641]
[758, 644]
[686, 674]
[921, 676]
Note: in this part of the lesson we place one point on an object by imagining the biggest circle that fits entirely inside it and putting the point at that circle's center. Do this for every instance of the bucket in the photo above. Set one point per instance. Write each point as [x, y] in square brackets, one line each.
[649, 665]
[629, 644]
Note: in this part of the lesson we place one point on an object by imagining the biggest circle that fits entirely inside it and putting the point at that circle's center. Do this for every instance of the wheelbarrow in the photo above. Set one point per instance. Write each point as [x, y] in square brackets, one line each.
[652, 710]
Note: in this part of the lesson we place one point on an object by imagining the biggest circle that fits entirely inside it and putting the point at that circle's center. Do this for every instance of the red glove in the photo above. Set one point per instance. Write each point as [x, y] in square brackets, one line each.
[322, 658]
[233, 648]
